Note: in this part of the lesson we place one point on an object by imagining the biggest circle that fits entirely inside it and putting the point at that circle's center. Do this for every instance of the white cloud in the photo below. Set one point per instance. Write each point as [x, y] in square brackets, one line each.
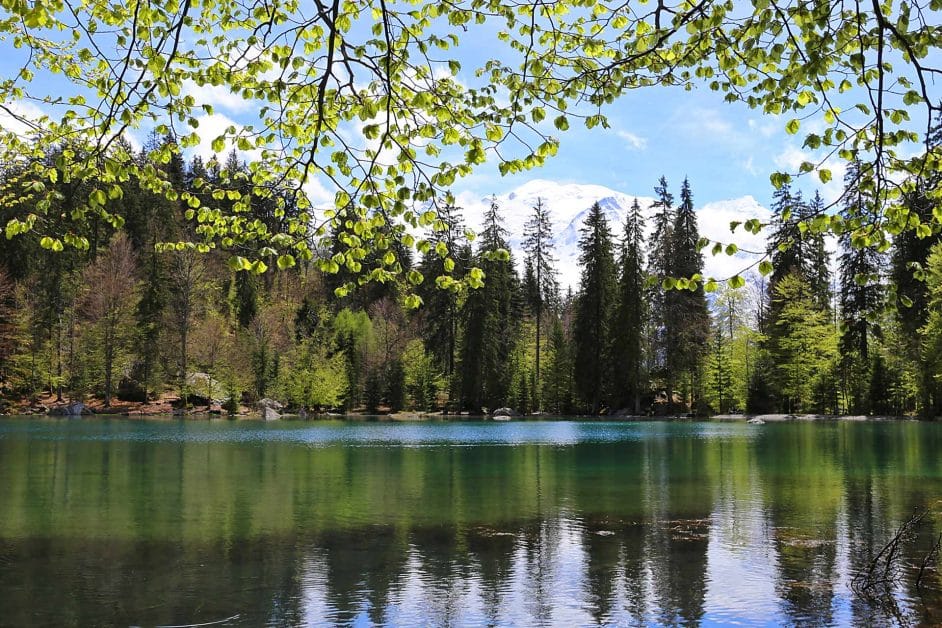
[317, 192]
[705, 123]
[766, 127]
[218, 96]
[790, 160]
[211, 127]
[635, 142]
[749, 166]
[19, 118]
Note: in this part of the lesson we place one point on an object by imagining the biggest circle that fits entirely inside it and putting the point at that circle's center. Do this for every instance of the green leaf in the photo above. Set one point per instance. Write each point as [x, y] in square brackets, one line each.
[736, 282]
[285, 261]
[237, 263]
[792, 126]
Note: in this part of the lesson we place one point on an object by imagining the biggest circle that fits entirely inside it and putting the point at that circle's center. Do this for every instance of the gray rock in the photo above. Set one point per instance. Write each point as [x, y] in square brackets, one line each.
[204, 386]
[505, 412]
[756, 421]
[269, 403]
[70, 409]
[270, 414]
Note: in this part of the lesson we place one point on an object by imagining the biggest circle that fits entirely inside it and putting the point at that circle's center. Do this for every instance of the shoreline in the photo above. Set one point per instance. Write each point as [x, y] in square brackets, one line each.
[417, 417]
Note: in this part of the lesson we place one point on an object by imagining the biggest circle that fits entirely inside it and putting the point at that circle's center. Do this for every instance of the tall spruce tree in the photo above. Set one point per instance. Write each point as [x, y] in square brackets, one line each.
[861, 292]
[557, 384]
[439, 315]
[785, 246]
[686, 315]
[659, 257]
[538, 245]
[490, 322]
[819, 263]
[630, 314]
[596, 297]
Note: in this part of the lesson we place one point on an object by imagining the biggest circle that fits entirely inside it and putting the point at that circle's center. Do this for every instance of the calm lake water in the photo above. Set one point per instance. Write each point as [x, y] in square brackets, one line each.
[163, 522]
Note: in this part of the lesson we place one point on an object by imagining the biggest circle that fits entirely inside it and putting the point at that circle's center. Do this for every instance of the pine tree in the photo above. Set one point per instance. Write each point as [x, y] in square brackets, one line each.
[721, 380]
[538, 245]
[819, 263]
[489, 321]
[630, 314]
[557, 385]
[861, 294]
[658, 270]
[440, 316]
[786, 247]
[686, 314]
[592, 336]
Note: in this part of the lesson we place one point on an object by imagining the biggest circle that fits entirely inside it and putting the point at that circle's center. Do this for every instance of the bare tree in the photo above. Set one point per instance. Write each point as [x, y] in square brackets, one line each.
[186, 273]
[108, 299]
[7, 323]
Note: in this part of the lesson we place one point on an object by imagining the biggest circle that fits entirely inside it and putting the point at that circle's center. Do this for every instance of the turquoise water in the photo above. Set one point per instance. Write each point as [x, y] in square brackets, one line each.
[167, 522]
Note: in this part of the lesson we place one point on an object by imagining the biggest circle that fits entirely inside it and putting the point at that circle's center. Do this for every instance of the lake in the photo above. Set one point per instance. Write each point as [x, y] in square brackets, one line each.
[170, 522]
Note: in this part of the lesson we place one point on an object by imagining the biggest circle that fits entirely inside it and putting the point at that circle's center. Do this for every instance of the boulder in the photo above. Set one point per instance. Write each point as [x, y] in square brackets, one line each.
[269, 403]
[756, 421]
[70, 409]
[505, 412]
[270, 414]
[203, 389]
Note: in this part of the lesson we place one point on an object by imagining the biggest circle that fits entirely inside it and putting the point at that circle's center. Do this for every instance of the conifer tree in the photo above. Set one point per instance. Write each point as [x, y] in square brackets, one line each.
[557, 385]
[489, 321]
[686, 315]
[440, 316]
[538, 245]
[658, 270]
[592, 325]
[630, 314]
[803, 348]
[819, 263]
[785, 247]
[861, 291]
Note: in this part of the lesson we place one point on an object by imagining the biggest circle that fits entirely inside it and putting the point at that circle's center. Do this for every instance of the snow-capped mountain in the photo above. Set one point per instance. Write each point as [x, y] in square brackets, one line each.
[569, 203]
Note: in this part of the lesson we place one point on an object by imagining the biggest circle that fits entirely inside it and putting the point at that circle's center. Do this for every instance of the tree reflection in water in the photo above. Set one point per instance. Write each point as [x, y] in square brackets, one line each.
[106, 523]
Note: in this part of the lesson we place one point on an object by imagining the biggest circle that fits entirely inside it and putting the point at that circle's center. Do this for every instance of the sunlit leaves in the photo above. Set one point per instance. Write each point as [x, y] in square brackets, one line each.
[366, 100]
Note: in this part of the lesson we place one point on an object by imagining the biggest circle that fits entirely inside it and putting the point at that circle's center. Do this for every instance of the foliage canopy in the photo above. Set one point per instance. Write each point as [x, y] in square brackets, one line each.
[366, 94]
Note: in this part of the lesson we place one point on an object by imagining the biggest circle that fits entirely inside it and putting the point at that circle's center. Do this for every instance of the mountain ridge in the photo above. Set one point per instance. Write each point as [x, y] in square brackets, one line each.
[569, 203]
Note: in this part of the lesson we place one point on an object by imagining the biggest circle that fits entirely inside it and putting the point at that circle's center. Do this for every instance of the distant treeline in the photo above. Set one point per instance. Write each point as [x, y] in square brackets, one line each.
[645, 332]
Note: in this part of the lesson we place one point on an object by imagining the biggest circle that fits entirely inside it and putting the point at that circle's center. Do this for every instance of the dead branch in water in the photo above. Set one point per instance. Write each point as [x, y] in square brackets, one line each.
[886, 569]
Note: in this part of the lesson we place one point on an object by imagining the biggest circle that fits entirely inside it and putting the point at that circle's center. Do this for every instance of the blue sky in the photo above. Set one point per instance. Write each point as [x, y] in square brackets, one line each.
[727, 151]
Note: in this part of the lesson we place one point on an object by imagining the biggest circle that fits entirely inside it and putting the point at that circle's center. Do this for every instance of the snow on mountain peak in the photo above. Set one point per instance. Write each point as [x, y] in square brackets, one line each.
[569, 203]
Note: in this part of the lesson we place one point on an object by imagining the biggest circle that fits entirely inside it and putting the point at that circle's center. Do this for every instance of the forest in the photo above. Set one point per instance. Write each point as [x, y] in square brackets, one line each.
[128, 315]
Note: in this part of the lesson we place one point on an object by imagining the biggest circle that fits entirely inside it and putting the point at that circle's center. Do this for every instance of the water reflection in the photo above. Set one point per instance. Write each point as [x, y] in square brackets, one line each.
[607, 525]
